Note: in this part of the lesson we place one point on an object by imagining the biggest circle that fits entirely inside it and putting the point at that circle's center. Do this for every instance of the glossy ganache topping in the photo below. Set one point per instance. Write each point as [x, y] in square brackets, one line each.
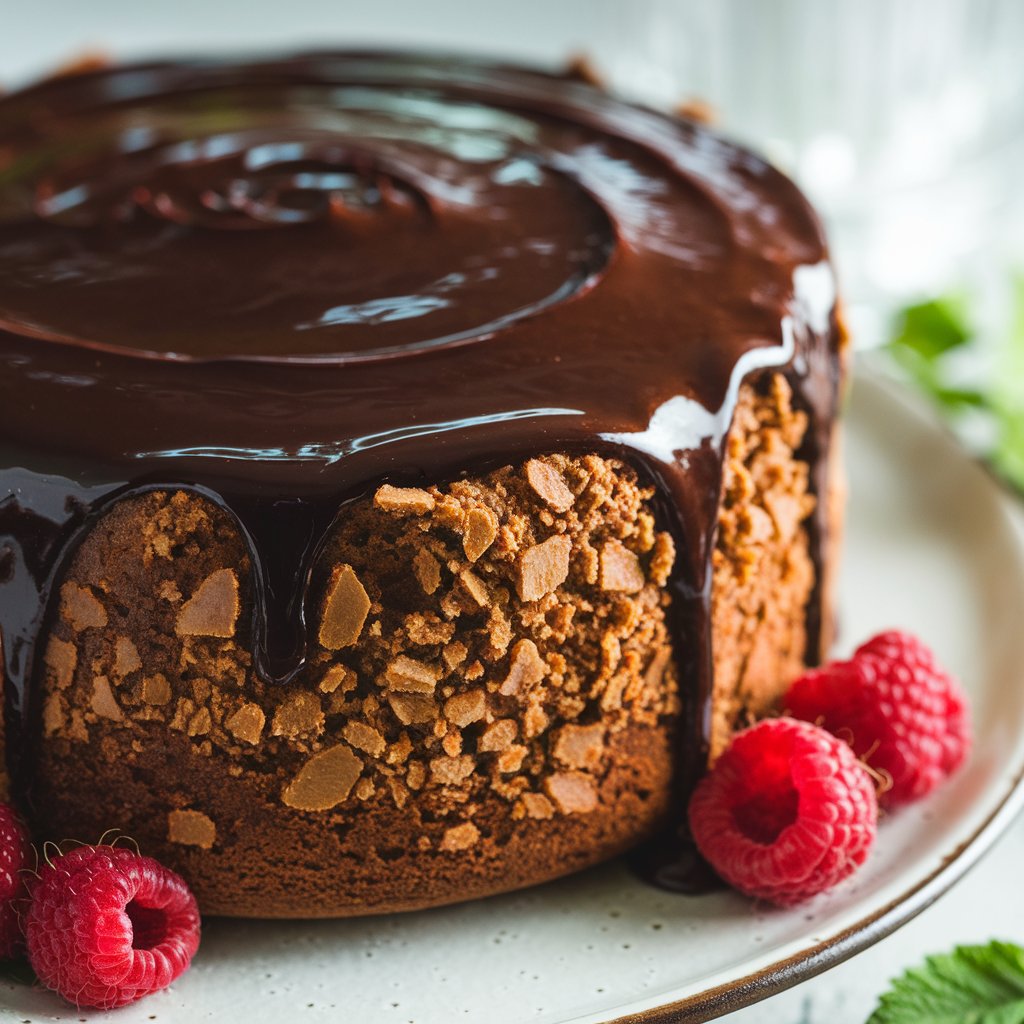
[341, 206]
[282, 282]
[309, 210]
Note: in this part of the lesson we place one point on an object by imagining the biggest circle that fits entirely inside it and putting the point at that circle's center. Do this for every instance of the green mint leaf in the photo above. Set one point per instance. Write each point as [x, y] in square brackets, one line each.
[1008, 455]
[932, 328]
[971, 985]
[926, 376]
[960, 398]
[923, 334]
[1008, 397]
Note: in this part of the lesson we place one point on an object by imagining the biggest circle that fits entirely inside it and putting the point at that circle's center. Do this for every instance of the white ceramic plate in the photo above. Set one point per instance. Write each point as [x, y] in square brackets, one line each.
[933, 545]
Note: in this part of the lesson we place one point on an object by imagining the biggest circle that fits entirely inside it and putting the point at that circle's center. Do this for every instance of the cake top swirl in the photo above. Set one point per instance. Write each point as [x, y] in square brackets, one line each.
[341, 207]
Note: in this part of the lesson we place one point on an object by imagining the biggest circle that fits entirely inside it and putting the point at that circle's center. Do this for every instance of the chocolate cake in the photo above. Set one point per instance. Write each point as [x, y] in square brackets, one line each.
[413, 469]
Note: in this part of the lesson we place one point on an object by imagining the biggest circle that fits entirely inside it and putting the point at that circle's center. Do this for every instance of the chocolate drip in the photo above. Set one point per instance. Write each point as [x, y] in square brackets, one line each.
[283, 536]
[282, 283]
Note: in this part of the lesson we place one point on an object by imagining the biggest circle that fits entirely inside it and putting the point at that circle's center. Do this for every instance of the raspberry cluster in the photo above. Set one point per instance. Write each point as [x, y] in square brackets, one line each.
[904, 716]
[790, 808]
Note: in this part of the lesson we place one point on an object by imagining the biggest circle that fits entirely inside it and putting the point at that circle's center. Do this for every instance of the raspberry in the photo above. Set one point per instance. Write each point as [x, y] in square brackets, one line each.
[15, 856]
[106, 927]
[899, 711]
[786, 812]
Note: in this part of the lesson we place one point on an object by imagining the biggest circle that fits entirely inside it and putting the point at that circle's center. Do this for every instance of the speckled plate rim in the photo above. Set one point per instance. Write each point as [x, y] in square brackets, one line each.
[726, 994]
[807, 963]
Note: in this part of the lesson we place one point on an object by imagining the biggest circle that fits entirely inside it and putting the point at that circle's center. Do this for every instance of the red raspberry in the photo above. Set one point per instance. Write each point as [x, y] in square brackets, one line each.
[15, 857]
[106, 927]
[786, 812]
[898, 710]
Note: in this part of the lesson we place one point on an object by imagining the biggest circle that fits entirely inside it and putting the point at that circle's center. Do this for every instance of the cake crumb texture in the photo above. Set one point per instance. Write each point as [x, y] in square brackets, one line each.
[762, 569]
[490, 697]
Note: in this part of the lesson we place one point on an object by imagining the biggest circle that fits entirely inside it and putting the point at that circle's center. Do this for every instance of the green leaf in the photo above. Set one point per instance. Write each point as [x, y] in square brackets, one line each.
[960, 398]
[1008, 397]
[1008, 455]
[932, 328]
[923, 334]
[971, 985]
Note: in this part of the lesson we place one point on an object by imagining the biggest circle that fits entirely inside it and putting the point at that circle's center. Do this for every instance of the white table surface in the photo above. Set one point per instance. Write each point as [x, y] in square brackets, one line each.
[989, 902]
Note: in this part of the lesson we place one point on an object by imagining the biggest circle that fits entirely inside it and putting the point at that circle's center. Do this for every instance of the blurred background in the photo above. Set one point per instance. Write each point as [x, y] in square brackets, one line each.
[902, 119]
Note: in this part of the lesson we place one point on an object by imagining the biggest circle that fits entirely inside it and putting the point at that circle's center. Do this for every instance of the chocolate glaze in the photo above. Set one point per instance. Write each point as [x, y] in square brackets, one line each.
[283, 282]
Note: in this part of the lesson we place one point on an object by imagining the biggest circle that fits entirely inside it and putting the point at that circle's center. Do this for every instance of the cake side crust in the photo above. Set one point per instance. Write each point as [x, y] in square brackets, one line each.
[763, 572]
[491, 698]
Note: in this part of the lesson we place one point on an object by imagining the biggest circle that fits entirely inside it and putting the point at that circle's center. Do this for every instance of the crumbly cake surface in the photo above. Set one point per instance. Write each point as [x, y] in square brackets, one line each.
[491, 697]
[763, 574]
